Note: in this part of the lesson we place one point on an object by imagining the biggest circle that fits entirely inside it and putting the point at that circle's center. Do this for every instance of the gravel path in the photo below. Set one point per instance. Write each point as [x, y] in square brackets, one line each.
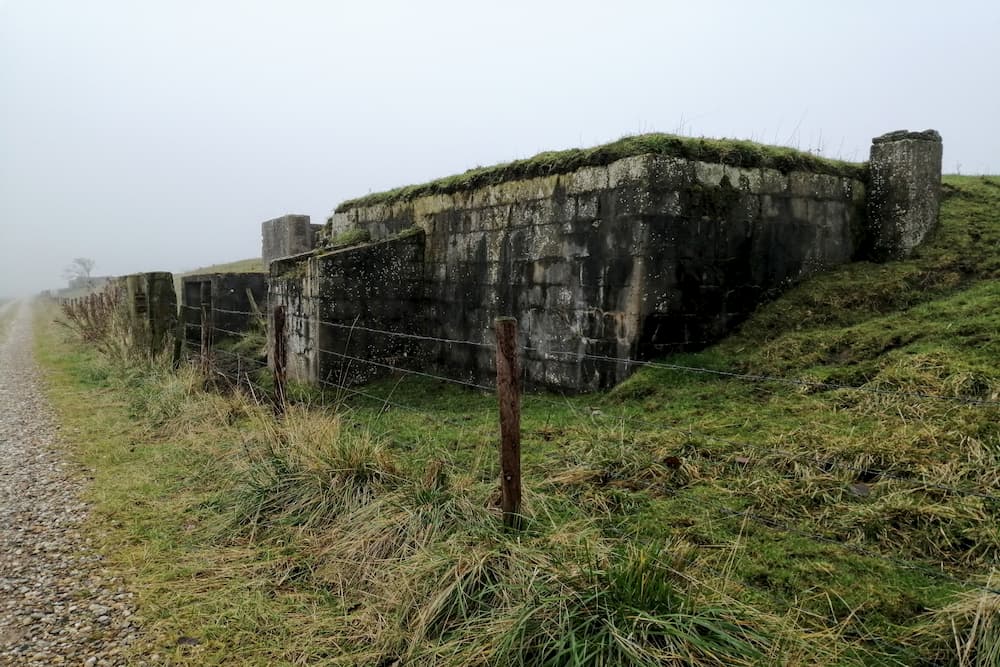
[58, 603]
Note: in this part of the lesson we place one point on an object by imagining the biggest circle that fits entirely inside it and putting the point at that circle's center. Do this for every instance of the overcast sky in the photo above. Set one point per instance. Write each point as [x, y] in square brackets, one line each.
[158, 135]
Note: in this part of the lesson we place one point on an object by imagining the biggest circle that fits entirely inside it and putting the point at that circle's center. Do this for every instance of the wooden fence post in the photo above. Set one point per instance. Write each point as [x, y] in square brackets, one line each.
[509, 397]
[206, 328]
[280, 358]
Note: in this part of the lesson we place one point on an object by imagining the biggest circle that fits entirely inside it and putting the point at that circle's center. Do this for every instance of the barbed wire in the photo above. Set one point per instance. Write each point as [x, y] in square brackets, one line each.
[823, 464]
[249, 360]
[433, 417]
[249, 313]
[725, 512]
[400, 334]
[628, 362]
[399, 369]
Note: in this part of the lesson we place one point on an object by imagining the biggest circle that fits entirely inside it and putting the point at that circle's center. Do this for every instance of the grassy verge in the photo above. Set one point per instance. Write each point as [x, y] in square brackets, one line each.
[684, 518]
[259, 542]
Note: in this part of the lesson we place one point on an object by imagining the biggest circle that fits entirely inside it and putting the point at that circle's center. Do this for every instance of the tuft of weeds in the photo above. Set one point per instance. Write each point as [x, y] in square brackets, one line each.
[966, 632]
[633, 611]
[349, 237]
[307, 469]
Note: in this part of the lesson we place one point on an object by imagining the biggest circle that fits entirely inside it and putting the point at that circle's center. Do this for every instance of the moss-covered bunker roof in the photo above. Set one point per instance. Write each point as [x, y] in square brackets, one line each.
[733, 152]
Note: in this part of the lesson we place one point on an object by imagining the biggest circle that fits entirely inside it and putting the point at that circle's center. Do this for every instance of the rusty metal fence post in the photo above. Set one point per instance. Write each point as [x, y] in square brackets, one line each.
[280, 359]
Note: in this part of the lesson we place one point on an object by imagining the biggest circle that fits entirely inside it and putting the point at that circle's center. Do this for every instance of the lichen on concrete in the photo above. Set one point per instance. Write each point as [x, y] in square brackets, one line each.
[905, 191]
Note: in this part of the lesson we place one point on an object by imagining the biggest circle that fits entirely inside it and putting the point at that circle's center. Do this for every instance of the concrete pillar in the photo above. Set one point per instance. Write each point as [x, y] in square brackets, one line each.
[286, 236]
[152, 305]
[905, 191]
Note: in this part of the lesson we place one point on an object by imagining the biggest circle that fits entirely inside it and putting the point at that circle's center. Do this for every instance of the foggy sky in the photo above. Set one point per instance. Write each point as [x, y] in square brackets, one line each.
[158, 135]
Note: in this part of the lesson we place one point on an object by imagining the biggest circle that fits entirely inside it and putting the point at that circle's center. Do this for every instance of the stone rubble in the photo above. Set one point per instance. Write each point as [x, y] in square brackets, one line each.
[59, 602]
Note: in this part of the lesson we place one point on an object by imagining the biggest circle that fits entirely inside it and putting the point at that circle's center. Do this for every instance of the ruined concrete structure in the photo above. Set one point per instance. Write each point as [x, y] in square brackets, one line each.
[332, 300]
[151, 304]
[287, 235]
[628, 259]
[905, 191]
[228, 299]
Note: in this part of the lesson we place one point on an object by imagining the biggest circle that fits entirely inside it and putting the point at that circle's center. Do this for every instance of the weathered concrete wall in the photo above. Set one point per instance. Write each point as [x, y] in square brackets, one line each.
[152, 308]
[905, 191]
[227, 297]
[286, 236]
[646, 255]
[291, 284]
[326, 296]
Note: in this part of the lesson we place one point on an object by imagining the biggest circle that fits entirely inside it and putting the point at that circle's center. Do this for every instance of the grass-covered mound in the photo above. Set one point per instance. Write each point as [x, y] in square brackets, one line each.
[732, 152]
[684, 518]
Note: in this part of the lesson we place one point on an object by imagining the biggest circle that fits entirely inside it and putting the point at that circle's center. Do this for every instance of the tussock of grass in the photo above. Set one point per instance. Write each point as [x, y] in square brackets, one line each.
[966, 633]
[307, 469]
[274, 533]
[725, 151]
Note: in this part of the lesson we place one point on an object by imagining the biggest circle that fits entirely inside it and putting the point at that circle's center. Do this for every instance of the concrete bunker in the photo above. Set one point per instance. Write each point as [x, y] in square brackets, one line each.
[603, 257]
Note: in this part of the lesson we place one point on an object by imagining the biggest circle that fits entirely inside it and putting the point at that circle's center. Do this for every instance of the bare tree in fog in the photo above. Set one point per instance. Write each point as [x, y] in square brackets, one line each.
[78, 272]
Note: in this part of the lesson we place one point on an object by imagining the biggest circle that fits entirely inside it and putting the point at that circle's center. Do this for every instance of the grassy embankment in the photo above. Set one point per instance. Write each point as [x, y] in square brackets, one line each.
[676, 516]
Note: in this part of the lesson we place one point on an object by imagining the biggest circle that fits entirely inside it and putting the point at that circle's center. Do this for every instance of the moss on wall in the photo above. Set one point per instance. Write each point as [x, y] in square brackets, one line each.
[349, 237]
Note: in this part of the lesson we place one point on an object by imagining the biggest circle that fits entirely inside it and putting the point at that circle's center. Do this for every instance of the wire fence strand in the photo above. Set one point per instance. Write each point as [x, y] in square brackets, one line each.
[634, 422]
[629, 362]
[409, 371]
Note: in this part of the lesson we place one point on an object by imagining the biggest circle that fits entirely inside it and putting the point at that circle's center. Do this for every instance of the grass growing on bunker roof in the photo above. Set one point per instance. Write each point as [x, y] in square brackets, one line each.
[734, 152]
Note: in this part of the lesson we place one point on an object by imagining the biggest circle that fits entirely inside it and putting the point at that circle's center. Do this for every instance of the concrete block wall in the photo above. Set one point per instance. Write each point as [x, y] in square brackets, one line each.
[291, 284]
[227, 296]
[646, 255]
[152, 307]
[372, 285]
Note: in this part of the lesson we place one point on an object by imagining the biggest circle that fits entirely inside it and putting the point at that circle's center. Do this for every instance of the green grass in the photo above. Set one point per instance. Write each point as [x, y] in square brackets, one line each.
[251, 265]
[682, 518]
[350, 237]
[733, 152]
